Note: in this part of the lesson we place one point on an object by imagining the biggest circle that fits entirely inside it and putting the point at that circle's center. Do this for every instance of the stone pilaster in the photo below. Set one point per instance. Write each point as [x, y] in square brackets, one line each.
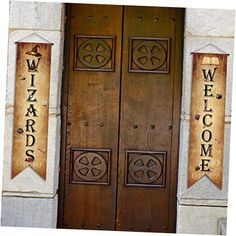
[28, 200]
[200, 206]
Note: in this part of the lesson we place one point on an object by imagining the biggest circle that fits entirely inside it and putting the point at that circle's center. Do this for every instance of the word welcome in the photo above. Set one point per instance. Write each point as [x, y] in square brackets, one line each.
[206, 148]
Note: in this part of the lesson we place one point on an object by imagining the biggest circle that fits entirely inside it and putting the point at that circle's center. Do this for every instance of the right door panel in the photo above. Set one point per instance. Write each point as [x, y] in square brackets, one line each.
[149, 123]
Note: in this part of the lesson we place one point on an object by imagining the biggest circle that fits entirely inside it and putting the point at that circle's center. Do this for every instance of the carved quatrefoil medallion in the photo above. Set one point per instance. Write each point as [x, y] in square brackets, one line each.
[149, 55]
[90, 166]
[145, 168]
[94, 53]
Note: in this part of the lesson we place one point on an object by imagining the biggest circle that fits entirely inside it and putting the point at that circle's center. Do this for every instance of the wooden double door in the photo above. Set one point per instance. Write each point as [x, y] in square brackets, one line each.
[120, 115]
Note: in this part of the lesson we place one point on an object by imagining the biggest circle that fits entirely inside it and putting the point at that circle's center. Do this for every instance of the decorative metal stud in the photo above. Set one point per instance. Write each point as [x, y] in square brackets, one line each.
[152, 126]
[197, 116]
[44, 103]
[197, 168]
[140, 18]
[22, 77]
[20, 131]
[82, 225]
[218, 96]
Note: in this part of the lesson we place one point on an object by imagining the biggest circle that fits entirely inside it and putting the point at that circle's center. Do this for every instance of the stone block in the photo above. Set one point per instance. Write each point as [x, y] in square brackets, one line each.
[209, 22]
[36, 15]
[29, 212]
[199, 219]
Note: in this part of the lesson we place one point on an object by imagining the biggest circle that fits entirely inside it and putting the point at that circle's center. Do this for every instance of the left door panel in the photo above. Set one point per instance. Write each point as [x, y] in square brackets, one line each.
[92, 119]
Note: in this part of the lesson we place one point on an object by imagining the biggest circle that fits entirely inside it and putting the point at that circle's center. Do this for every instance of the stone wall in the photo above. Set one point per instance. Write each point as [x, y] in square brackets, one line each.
[200, 206]
[28, 200]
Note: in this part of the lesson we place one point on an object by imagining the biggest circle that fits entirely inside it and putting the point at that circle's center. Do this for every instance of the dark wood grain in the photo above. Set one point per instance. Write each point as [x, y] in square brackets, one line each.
[92, 119]
[130, 111]
[148, 99]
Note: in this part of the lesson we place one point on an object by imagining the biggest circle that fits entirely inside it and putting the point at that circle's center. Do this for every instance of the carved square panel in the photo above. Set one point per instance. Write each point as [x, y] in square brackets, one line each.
[90, 166]
[150, 55]
[145, 168]
[94, 53]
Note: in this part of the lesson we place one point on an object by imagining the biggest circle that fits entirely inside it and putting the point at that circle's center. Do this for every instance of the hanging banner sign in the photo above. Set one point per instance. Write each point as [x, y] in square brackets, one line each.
[30, 132]
[207, 118]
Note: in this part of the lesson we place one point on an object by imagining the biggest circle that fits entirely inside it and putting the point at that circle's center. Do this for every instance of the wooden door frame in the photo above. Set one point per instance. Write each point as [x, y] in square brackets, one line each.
[177, 95]
[177, 99]
[64, 102]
